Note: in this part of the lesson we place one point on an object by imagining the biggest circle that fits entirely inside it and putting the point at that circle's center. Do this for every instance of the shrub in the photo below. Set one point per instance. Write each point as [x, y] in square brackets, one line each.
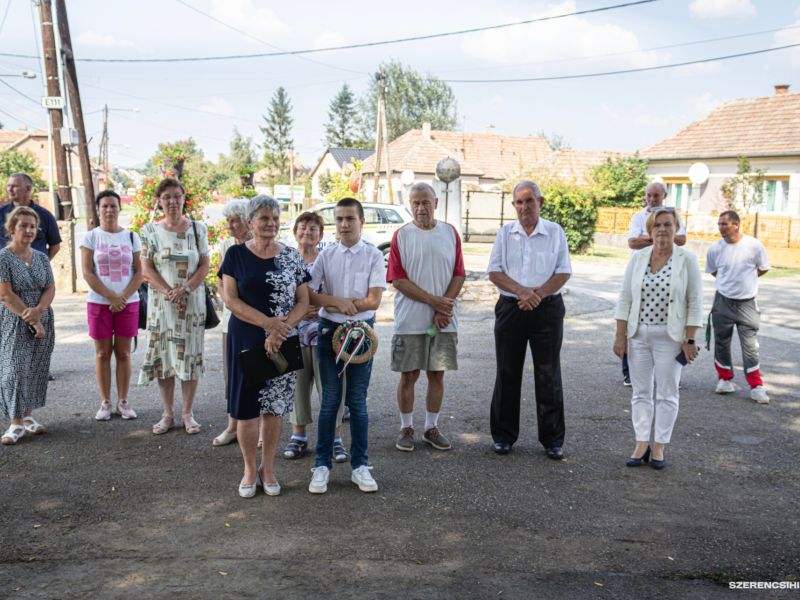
[571, 206]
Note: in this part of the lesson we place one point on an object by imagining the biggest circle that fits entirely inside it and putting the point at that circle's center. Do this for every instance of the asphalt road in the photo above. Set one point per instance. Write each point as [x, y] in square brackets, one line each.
[107, 510]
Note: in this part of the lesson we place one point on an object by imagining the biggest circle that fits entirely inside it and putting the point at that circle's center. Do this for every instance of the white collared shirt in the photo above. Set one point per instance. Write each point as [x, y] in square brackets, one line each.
[638, 225]
[348, 273]
[530, 260]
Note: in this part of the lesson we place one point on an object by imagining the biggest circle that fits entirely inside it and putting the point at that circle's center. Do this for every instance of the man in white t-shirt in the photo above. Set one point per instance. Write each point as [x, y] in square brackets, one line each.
[426, 267]
[654, 195]
[737, 261]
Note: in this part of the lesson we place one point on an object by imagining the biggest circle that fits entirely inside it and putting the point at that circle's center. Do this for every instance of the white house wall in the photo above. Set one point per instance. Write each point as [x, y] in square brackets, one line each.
[710, 198]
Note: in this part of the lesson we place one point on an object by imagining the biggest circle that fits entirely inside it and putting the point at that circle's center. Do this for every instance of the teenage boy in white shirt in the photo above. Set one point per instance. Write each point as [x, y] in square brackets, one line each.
[353, 276]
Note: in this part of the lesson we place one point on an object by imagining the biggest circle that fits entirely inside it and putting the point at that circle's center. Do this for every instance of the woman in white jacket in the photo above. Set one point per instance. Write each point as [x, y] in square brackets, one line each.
[659, 311]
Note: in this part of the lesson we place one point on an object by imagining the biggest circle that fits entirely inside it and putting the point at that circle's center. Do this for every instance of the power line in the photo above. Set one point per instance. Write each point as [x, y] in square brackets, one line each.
[5, 15]
[259, 40]
[623, 71]
[23, 94]
[416, 38]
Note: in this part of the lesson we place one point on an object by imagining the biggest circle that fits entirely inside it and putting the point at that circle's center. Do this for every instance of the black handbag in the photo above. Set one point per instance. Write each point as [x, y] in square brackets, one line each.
[212, 319]
[142, 291]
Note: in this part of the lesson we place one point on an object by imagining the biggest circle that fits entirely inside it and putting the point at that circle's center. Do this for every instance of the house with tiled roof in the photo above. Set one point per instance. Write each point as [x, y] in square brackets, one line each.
[24, 140]
[334, 160]
[486, 160]
[765, 129]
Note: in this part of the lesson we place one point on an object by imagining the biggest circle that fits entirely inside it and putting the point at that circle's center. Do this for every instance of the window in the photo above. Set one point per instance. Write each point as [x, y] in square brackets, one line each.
[392, 216]
[327, 216]
[776, 195]
[372, 216]
[679, 193]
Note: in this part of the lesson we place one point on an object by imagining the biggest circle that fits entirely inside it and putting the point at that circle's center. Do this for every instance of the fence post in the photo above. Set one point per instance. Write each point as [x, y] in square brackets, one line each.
[466, 219]
[502, 206]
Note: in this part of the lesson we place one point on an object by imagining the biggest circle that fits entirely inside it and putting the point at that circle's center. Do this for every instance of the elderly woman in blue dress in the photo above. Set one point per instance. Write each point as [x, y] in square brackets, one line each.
[263, 282]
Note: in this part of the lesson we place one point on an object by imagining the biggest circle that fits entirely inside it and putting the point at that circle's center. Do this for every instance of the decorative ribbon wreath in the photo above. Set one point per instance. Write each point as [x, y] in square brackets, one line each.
[354, 342]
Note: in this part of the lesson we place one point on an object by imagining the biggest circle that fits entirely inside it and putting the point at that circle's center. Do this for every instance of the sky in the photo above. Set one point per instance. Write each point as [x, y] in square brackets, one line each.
[206, 100]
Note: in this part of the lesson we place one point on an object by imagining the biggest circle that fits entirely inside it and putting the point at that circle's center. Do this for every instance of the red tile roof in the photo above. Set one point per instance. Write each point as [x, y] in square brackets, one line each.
[763, 126]
[485, 155]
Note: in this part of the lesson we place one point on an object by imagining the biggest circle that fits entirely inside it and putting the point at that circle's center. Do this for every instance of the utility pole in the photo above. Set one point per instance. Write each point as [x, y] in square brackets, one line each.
[102, 157]
[291, 183]
[63, 199]
[386, 137]
[77, 113]
[378, 133]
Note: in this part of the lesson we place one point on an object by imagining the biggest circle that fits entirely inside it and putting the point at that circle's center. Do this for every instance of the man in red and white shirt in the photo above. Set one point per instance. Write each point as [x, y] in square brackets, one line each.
[426, 267]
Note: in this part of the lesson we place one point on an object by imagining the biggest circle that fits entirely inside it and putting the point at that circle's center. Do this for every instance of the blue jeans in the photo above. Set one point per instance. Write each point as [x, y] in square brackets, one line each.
[355, 399]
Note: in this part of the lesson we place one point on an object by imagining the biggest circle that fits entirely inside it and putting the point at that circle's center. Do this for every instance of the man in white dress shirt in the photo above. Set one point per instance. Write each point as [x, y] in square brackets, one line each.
[352, 277]
[737, 261]
[529, 264]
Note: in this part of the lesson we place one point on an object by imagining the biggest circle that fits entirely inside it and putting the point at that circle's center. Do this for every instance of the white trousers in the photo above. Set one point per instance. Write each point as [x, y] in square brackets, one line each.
[651, 357]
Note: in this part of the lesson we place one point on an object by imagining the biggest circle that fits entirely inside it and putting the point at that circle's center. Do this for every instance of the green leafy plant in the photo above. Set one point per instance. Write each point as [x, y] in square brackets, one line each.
[745, 190]
[619, 181]
[571, 206]
[14, 161]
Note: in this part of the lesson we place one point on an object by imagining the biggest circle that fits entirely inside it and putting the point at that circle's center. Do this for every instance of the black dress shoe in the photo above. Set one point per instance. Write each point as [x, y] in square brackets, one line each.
[658, 464]
[556, 453]
[502, 447]
[638, 462]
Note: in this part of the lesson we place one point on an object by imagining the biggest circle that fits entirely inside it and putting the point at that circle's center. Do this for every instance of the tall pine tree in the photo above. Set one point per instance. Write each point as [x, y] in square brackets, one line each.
[277, 132]
[340, 130]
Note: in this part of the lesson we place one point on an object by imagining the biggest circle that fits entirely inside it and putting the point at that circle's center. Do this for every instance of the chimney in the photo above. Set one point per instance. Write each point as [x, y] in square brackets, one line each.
[781, 89]
[426, 130]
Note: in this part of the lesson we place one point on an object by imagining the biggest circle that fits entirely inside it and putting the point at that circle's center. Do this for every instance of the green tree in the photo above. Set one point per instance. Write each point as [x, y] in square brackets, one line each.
[556, 141]
[571, 206]
[277, 132]
[619, 181]
[336, 186]
[14, 161]
[745, 191]
[340, 130]
[411, 100]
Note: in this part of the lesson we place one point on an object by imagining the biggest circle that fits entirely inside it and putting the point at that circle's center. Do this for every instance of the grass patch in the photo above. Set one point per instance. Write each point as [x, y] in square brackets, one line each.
[780, 272]
[610, 253]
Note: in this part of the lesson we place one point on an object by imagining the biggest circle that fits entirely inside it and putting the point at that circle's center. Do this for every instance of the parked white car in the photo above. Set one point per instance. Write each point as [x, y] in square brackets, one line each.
[380, 223]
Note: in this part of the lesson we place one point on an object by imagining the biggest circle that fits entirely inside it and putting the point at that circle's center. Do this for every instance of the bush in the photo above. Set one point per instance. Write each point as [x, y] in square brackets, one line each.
[619, 181]
[571, 206]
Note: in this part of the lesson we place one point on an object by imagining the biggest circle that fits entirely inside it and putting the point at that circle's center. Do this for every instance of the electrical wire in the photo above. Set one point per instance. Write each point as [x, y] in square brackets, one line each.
[21, 93]
[624, 71]
[416, 38]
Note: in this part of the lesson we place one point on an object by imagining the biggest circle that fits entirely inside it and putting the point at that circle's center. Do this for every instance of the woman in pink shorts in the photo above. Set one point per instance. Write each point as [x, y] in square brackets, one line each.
[113, 271]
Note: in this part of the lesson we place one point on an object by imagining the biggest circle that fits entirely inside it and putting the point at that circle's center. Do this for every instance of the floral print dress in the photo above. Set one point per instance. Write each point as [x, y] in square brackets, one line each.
[268, 285]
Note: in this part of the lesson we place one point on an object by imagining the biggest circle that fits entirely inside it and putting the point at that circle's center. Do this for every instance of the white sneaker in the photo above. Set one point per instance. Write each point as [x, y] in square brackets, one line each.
[363, 479]
[759, 394]
[125, 411]
[319, 480]
[104, 414]
[724, 386]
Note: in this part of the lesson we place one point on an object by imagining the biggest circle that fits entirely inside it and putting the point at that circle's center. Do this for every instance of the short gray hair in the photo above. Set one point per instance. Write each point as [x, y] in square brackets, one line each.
[662, 184]
[526, 183]
[422, 188]
[236, 208]
[261, 202]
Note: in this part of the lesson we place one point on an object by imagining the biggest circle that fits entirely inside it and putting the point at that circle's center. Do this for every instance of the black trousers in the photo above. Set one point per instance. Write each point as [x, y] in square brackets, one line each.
[514, 330]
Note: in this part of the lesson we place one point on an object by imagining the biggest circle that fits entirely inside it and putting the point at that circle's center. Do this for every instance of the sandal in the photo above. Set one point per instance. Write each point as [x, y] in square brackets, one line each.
[190, 425]
[12, 435]
[295, 449]
[164, 425]
[224, 438]
[33, 426]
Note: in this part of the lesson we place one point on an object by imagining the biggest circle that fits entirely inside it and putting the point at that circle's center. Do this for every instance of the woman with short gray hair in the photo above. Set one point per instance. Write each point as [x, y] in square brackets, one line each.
[235, 213]
[263, 282]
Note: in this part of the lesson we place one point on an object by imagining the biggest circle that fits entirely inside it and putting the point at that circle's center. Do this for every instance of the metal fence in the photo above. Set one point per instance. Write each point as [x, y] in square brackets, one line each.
[485, 213]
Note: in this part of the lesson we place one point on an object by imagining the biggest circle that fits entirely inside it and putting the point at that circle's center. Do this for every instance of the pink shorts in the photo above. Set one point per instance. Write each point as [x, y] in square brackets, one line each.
[103, 324]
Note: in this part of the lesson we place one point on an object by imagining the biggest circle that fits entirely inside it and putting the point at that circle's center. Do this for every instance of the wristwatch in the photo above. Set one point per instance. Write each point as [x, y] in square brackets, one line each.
[690, 342]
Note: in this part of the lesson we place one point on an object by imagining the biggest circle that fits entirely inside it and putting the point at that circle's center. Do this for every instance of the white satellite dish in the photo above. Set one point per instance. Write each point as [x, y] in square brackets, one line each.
[698, 173]
[407, 177]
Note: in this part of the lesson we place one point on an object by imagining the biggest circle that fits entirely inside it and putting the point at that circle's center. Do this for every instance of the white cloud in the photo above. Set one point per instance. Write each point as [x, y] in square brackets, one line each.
[495, 102]
[102, 40]
[722, 9]
[786, 37]
[329, 39]
[557, 40]
[261, 23]
[705, 103]
[218, 106]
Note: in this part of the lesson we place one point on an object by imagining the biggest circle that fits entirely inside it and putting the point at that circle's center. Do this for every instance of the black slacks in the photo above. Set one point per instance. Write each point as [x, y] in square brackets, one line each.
[514, 330]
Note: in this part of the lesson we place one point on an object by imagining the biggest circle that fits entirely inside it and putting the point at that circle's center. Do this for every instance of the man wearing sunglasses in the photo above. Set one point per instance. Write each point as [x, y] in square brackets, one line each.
[529, 265]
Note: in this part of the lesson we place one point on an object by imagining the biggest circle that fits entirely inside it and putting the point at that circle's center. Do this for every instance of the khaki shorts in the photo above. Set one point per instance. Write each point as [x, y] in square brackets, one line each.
[421, 351]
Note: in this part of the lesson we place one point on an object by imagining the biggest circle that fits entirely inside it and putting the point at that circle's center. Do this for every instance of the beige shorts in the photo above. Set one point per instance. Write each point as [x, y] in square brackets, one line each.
[420, 351]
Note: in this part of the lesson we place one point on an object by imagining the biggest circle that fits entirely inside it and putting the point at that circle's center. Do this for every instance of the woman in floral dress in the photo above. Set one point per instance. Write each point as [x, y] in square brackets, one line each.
[175, 264]
[263, 282]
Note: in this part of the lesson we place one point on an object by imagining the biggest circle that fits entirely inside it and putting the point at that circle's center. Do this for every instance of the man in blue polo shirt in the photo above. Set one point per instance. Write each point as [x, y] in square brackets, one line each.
[20, 193]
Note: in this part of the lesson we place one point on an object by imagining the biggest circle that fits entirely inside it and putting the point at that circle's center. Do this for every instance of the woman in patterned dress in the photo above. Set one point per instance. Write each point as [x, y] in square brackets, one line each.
[659, 311]
[175, 264]
[27, 334]
[264, 290]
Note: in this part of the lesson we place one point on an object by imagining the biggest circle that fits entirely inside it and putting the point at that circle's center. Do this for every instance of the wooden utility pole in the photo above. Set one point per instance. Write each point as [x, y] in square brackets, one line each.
[378, 134]
[77, 113]
[385, 132]
[102, 157]
[63, 199]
